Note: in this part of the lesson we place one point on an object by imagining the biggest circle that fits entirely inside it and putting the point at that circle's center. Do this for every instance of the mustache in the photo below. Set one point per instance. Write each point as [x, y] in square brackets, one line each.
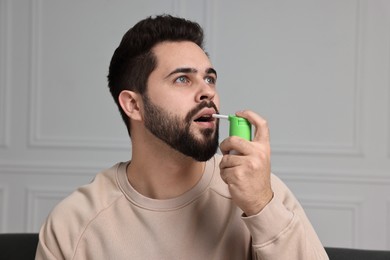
[195, 110]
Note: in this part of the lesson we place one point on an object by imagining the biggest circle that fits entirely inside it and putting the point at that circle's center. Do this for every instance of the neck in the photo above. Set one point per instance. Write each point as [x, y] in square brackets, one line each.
[158, 171]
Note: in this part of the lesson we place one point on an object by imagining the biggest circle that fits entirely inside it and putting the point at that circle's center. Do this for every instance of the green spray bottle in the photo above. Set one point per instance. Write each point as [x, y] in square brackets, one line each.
[238, 126]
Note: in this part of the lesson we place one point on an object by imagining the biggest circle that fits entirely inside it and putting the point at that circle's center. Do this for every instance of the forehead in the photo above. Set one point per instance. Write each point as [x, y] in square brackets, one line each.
[171, 55]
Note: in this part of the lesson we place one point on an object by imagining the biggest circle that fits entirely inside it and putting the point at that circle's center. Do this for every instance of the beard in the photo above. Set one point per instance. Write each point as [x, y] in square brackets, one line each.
[175, 131]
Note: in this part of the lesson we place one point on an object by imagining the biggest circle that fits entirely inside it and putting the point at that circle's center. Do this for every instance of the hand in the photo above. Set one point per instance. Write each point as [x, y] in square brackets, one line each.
[248, 173]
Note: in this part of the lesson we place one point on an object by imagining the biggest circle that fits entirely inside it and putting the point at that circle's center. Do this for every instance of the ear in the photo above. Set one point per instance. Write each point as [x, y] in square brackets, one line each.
[130, 103]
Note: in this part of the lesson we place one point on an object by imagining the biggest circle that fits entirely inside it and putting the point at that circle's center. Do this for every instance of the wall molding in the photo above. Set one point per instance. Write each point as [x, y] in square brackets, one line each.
[3, 208]
[352, 206]
[36, 138]
[332, 176]
[355, 148]
[5, 49]
[388, 97]
[52, 169]
[388, 223]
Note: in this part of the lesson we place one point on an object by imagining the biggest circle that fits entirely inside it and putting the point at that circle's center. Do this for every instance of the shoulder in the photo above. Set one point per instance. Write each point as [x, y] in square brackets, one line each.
[71, 216]
[97, 194]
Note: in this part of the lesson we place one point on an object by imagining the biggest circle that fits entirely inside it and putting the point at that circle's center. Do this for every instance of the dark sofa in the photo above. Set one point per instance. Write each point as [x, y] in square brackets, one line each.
[22, 246]
[18, 246]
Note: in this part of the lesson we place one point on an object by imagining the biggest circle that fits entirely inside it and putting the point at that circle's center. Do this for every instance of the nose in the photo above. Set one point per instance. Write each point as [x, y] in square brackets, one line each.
[206, 92]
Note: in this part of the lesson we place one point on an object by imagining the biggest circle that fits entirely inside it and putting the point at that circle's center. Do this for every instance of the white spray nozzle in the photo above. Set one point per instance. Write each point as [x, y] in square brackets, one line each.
[220, 116]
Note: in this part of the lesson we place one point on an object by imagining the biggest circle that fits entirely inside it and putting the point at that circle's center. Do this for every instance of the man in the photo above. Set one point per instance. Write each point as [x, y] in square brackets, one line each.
[177, 199]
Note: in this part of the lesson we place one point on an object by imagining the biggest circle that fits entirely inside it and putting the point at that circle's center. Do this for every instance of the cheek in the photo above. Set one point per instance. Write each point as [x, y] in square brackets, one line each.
[176, 105]
[163, 100]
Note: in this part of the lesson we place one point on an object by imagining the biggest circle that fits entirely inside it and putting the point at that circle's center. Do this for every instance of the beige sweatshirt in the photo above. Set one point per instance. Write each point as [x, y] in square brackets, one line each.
[108, 219]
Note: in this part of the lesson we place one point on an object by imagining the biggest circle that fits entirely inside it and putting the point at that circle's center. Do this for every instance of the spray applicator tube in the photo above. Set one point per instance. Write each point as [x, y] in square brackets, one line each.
[238, 126]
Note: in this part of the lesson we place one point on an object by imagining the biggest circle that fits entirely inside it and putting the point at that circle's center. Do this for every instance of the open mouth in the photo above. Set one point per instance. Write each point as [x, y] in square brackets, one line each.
[204, 118]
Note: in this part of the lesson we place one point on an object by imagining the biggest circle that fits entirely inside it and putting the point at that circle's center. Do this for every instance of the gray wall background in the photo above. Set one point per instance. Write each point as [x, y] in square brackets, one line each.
[318, 70]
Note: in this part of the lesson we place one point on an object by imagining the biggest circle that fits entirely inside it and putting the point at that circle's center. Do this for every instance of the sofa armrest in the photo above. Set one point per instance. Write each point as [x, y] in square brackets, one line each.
[18, 245]
[335, 253]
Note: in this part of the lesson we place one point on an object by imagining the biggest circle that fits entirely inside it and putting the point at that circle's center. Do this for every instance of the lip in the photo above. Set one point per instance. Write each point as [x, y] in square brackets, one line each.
[206, 112]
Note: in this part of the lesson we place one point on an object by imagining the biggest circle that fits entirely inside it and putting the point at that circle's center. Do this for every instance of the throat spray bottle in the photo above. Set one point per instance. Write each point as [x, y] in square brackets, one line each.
[238, 126]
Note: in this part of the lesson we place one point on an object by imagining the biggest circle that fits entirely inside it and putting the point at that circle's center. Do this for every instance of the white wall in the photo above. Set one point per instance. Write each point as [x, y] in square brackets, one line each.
[318, 70]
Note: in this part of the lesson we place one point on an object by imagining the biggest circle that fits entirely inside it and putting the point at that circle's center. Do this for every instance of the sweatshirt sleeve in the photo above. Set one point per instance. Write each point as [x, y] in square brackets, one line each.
[282, 230]
[43, 252]
[52, 247]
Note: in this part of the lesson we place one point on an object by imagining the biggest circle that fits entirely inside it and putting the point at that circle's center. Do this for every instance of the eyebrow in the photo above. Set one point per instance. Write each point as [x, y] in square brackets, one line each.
[191, 70]
[211, 71]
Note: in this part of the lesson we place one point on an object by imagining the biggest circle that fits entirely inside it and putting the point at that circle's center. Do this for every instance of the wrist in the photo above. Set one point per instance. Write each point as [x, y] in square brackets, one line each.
[262, 203]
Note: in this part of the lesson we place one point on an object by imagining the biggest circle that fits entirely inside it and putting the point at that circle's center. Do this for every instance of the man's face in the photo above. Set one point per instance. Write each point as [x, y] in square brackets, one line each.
[175, 131]
[180, 99]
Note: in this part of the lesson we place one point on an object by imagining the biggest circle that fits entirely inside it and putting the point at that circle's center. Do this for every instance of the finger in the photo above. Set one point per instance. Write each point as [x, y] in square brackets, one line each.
[235, 143]
[260, 124]
[230, 168]
[226, 175]
[229, 161]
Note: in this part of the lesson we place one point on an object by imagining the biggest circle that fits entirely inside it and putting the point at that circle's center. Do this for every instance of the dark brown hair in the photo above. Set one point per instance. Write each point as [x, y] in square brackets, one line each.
[133, 60]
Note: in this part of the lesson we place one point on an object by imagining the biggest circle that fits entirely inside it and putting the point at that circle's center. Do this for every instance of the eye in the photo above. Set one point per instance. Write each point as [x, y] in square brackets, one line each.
[210, 80]
[182, 79]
